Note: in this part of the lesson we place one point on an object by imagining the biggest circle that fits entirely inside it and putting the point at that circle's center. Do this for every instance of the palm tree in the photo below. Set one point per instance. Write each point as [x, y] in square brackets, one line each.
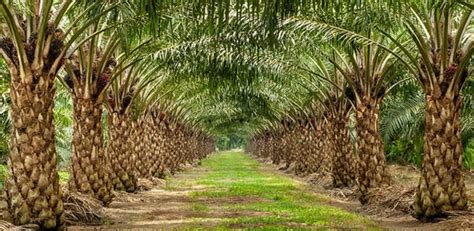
[91, 70]
[438, 31]
[124, 90]
[87, 82]
[344, 162]
[441, 36]
[402, 120]
[34, 47]
[331, 85]
[366, 70]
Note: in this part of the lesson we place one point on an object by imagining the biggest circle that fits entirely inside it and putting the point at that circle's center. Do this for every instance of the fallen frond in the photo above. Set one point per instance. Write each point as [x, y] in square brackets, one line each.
[81, 209]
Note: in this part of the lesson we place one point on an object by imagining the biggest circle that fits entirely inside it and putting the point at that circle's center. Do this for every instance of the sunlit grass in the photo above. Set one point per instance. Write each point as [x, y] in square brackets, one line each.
[286, 201]
[199, 207]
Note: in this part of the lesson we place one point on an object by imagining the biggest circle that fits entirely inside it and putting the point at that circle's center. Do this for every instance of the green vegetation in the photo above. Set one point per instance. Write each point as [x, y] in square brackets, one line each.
[63, 176]
[232, 141]
[135, 88]
[469, 154]
[199, 207]
[3, 174]
[275, 200]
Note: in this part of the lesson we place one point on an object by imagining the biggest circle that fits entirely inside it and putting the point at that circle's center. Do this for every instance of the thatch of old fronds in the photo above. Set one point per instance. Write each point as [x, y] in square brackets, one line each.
[4, 225]
[390, 201]
[81, 209]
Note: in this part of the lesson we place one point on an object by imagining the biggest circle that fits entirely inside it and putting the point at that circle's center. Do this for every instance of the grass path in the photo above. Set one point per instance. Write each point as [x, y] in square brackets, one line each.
[230, 190]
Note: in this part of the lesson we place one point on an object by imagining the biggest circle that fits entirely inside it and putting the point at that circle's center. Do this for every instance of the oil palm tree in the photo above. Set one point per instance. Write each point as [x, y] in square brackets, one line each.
[115, 47]
[124, 90]
[88, 74]
[366, 69]
[330, 85]
[442, 38]
[402, 120]
[439, 32]
[33, 47]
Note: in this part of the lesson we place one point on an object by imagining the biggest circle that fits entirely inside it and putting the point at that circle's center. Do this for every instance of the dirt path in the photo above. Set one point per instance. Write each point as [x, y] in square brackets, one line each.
[397, 220]
[231, 190]
[167, 205]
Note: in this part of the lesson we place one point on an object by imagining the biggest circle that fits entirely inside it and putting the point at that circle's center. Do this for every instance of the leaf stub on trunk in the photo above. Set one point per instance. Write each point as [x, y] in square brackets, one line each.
[120, 153]
[344, 162]
[372, 171]
[89, 166]
[32, 193]
[441, 187]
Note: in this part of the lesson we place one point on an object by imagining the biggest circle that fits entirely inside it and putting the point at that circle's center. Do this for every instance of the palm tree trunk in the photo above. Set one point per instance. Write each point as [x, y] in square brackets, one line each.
[288, 148]
[90, 170]
[146, 147]
[299, 150]
[172, 151]
[137, 139]
[372, 171]
[441, 186]
[120, 152]
[344, 163]
[32, 193]
[312, 160]
[322, 160]
[158, 149]
[278, 150]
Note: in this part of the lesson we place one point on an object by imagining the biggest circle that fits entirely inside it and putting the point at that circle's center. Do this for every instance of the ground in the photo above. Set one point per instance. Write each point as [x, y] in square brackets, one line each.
[229, 190]
[232, 190]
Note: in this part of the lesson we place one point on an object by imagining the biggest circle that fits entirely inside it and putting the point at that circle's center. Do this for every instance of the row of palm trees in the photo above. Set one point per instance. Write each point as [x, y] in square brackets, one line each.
[245, 72]
[105, 64]
[354, 65]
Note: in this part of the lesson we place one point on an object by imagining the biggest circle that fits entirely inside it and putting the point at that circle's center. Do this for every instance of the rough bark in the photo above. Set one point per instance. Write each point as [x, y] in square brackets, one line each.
[441, 186]
[120, 152]
[89, 172]
[372, 171]
[146, 148]
[287, 147]
[322, 161]
[32, 193]
[302, 150]
[158, 149]
[137, 138]
[343, 169]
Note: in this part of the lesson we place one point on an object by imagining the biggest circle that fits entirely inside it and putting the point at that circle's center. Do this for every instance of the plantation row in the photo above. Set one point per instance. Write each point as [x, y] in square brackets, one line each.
[322, 144]
[353, 80]
[168, 77]
[154, 145]
[92, 52]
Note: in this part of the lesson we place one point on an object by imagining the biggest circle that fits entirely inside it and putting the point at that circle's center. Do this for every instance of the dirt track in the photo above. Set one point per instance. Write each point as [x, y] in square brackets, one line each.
[170, 206]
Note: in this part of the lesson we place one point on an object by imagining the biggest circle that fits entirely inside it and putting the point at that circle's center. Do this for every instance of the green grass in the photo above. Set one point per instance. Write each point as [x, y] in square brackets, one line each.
[284, 201]
[200, 207]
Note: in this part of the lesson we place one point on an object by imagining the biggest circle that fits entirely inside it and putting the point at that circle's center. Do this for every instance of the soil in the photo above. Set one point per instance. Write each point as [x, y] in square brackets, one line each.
[162, 208]
[404, 177]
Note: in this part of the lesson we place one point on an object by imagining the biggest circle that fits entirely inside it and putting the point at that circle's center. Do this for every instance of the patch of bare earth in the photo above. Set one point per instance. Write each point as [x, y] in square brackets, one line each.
[170, 206]
[390, 206]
